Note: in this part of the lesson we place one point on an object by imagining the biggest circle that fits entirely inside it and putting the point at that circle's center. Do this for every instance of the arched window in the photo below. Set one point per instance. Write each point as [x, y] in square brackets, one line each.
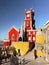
[12, 36]
[28, 15]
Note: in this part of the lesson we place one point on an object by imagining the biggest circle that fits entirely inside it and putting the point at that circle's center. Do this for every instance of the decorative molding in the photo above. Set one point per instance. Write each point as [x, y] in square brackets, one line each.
[12, 28]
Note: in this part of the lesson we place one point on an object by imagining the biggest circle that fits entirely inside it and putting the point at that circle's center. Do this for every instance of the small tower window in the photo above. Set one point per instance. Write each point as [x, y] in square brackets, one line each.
[33, 32]
[27, 23]
[29, 33]
[29, 38]
[33, 38]
[28, 15]
[12, 36]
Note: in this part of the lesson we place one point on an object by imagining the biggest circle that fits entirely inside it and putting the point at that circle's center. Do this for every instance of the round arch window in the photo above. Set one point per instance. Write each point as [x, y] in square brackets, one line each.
[12, 36]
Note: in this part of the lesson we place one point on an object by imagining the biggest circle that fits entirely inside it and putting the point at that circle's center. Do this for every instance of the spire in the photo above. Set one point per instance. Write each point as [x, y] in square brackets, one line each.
[21, 33]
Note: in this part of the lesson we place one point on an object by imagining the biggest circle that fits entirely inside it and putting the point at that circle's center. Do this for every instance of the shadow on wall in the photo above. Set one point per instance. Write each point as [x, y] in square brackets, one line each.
[31, 46]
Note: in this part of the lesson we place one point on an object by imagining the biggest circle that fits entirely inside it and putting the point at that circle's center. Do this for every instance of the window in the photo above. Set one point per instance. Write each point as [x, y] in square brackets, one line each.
[28, 15]
[29, 38]
[12, 36]
[33, 32]
[33, 38]
[29, 33]
[27, 23]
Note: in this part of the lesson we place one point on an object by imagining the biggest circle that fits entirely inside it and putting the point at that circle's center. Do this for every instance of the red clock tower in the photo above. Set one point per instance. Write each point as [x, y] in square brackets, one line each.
[29, 22]
[29, 25]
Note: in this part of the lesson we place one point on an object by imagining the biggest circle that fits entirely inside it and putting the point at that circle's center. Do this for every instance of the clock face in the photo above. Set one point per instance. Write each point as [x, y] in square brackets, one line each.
[27, 23]
[28, 15]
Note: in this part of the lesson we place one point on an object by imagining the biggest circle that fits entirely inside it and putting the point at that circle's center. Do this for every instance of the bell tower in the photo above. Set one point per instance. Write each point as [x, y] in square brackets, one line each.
[29, 22]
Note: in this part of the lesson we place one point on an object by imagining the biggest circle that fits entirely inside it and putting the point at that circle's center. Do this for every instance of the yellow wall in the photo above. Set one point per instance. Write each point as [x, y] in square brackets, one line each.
[40, 53]
[40, 39]
[23, 46]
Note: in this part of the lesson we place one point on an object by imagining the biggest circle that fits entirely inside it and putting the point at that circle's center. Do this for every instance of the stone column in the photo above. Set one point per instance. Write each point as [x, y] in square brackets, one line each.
[46, 45]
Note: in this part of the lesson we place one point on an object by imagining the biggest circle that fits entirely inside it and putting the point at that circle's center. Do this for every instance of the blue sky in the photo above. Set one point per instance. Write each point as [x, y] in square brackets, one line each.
[12, 13]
